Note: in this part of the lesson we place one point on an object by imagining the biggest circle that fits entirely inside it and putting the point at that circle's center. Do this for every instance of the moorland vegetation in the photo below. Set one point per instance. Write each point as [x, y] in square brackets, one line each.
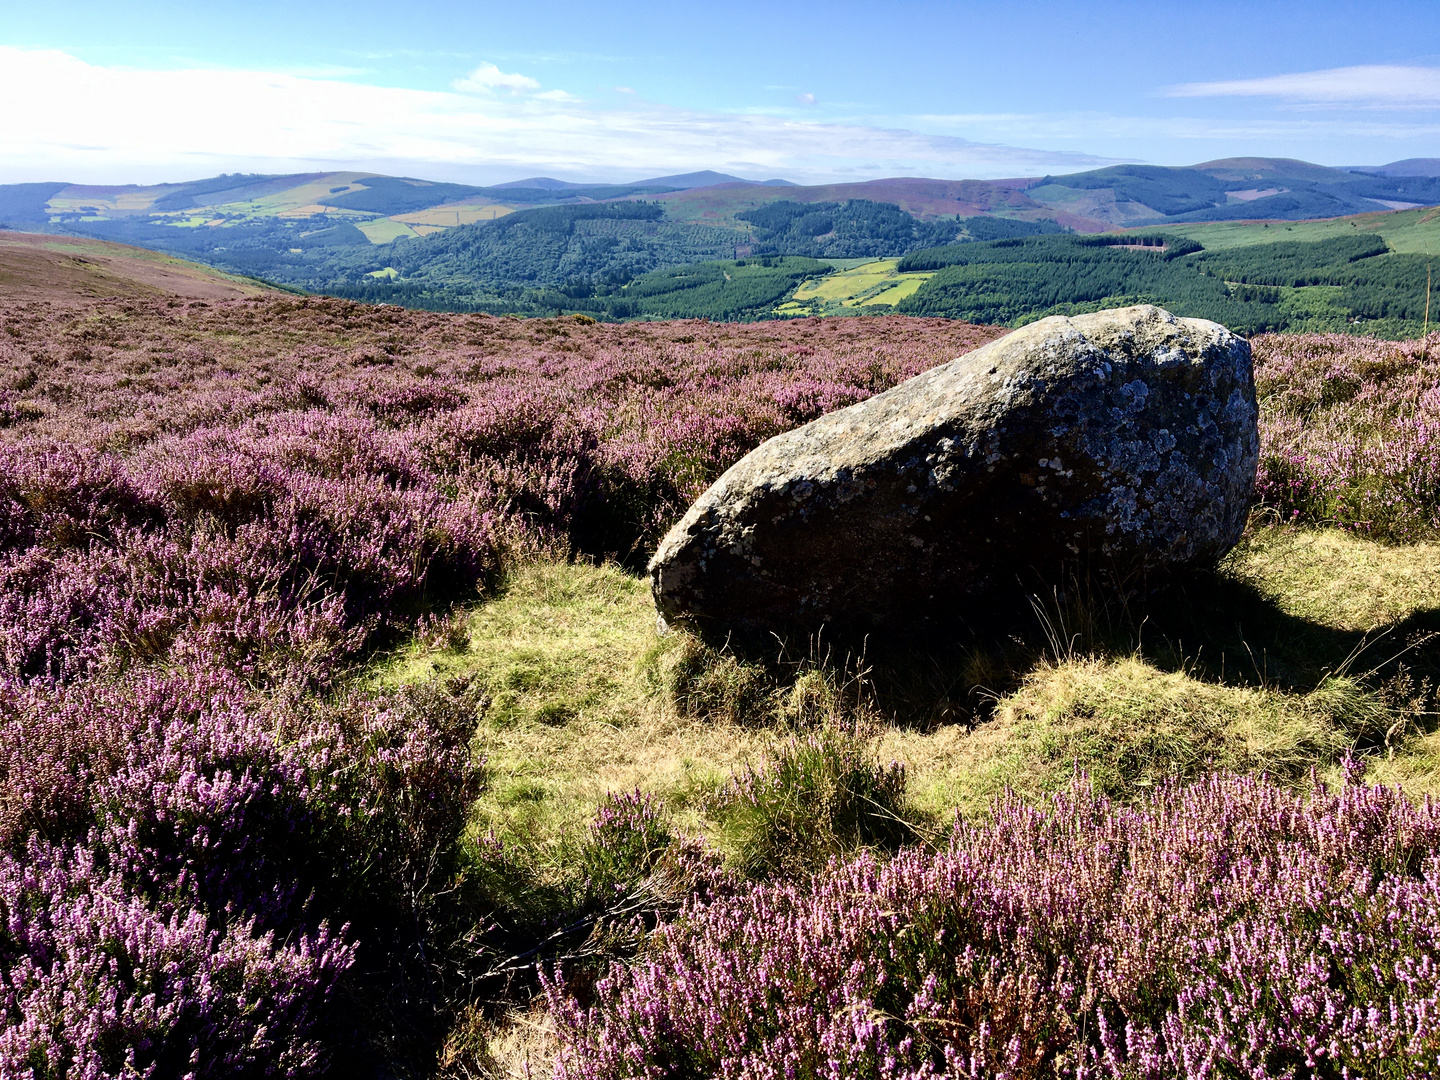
[338, 728]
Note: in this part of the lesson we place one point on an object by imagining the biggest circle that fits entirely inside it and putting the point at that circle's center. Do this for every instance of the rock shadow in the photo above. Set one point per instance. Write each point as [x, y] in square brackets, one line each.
[1211, 626]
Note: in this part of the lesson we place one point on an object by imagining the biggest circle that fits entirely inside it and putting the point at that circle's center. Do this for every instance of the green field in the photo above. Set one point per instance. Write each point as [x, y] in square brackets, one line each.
[384, 230]
[1408, 232]
[853, 284]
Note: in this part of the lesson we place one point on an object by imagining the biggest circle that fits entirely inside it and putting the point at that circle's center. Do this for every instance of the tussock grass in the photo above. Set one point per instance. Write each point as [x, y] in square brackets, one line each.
[818, 795]
[517, 1044]
[784, 754]
[1338, 579]
[1129, 725]
[1282, 662]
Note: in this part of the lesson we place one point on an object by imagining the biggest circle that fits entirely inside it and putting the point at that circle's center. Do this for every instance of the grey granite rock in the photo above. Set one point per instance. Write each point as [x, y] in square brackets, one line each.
[1121, 441]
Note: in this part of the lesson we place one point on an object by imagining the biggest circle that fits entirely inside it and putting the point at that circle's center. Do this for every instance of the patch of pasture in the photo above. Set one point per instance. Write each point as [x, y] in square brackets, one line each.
[1412, 232]
[384, 230]
[856, 283]
[453, 214]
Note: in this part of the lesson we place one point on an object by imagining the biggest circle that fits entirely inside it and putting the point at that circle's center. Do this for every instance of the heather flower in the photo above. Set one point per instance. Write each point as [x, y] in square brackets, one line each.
[1229, 927]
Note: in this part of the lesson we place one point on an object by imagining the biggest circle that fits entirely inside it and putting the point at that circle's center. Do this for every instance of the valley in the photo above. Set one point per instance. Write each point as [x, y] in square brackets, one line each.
[543, 246]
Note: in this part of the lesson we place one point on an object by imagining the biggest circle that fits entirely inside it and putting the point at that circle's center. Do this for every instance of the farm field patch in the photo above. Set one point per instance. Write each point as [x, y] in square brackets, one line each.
[453, 214]
[850, 286]
[384, 230]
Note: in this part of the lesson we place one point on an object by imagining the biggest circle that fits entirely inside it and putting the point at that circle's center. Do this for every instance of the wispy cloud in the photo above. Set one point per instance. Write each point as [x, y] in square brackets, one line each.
[487, 78]
[62, 118]
[1374, 85]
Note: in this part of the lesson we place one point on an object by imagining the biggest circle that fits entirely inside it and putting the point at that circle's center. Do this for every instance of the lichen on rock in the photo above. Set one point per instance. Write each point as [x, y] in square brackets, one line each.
[1123, 440]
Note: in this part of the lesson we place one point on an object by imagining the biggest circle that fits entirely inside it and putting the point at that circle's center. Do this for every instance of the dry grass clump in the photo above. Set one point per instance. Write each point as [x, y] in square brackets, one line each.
[1128, 725]
[1272, 674]
[515, 1044]
[1338, 579]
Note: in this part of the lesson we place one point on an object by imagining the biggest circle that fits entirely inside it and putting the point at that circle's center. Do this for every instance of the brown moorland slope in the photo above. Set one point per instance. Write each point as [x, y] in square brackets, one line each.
[69, 270]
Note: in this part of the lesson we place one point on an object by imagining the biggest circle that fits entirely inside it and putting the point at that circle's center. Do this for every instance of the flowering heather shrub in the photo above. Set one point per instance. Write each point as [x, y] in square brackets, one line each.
[625, 840]
[209, 513]
[1350, 431]
[1228, 928]
[201, 849]
[266, 486]
[102, 982]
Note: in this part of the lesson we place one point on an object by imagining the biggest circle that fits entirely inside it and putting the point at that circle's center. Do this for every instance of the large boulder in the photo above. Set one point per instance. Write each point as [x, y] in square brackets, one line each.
[1122, 443]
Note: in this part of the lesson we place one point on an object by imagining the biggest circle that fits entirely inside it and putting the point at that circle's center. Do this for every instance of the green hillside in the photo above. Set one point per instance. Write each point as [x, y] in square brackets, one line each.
[1334, 276]
[1232, 189]
[973, 249]
[595, 258]
[1412, 232]
[862, 228]
[1347, 281]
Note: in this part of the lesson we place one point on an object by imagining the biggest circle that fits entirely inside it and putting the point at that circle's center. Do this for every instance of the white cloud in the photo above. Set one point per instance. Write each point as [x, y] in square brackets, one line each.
[1376, 85]
[487, 78]
[806, 99]
[64, 119]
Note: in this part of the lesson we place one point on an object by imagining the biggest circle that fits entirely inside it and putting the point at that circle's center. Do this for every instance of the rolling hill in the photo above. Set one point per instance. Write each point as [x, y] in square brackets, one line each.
[541, 245]
[70, 270]
[1232, 189]
[1366, 274]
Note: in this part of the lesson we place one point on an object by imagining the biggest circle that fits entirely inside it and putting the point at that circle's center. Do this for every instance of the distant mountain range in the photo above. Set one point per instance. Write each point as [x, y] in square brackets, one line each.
[462, 245]
[679, 182]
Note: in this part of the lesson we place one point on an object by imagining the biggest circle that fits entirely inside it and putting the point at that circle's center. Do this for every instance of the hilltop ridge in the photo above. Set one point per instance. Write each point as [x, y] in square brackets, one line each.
[545, 245]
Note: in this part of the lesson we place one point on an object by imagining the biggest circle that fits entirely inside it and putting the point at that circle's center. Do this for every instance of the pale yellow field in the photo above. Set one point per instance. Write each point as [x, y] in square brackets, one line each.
[71, 201]
[384, 230]
[301, 200]
[452, 214]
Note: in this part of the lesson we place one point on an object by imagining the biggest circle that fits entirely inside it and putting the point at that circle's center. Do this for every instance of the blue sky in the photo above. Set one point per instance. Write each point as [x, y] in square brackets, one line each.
[142, 92]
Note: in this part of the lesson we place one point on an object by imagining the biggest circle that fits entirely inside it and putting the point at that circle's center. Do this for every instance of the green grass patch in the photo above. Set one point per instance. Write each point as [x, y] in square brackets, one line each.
[854, 283]
[565, 656]
[1305, 646]
[1128, 724]
[384, 230]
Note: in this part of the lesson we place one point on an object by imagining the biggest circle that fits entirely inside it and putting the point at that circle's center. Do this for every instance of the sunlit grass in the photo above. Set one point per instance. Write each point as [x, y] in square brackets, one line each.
[584, 697]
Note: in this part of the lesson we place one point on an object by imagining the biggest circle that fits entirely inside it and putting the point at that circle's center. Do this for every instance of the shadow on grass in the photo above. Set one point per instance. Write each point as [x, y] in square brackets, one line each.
[1209, 625]
[1224, 630]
